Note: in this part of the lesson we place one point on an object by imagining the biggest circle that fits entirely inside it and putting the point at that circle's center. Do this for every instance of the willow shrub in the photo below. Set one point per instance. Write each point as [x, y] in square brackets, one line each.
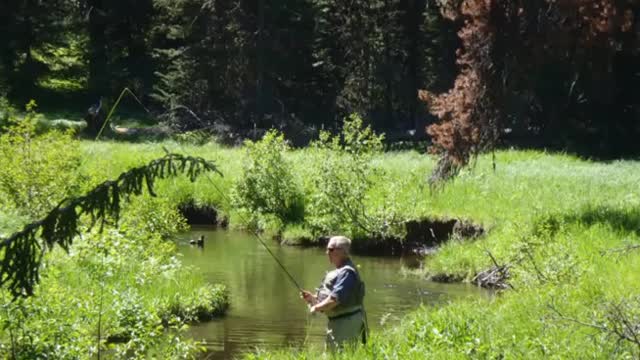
[267, 186]
[340, 181]
[38, 171]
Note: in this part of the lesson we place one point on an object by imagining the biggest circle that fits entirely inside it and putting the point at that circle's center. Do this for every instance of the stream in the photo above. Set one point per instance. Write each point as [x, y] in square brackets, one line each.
[266, 311]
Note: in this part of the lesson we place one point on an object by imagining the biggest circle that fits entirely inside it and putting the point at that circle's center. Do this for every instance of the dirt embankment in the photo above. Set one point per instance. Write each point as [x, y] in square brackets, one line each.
[202, 214]
[423, 237]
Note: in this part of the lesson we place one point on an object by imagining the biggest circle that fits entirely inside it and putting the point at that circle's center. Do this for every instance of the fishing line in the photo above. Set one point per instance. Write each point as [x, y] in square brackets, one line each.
[366, 329]
[253, 232]
[257, 236]
[115, 105]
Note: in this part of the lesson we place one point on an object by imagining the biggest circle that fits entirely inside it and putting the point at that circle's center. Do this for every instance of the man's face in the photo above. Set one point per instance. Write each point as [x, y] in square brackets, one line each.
[335, 254]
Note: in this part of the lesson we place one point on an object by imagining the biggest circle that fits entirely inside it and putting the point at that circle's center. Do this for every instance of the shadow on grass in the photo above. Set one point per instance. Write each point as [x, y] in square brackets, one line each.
[619, 219]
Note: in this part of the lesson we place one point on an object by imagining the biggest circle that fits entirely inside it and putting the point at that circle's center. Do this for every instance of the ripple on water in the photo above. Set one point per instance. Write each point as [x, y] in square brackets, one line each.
[265, 309]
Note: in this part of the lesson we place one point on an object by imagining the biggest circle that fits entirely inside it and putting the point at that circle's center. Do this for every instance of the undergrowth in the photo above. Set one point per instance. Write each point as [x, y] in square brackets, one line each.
[567, 229]
[119, 293]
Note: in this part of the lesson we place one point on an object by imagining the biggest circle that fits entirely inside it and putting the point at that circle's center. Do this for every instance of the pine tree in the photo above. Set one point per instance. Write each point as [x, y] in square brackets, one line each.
[27, 25]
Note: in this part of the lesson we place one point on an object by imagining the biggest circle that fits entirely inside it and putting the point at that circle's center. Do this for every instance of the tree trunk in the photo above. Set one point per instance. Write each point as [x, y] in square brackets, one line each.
[414, 13]
[260, 64]
[98, 80]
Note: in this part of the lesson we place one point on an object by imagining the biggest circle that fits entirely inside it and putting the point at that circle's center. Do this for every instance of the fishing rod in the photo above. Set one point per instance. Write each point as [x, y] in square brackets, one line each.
[253, 232]
[293, 280]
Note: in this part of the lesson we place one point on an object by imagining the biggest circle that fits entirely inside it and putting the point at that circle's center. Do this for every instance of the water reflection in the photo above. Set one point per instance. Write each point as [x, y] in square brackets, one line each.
[266, 311]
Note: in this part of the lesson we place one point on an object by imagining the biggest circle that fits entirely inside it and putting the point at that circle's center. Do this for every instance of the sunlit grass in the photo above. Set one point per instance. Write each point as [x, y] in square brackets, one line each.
[566, 212]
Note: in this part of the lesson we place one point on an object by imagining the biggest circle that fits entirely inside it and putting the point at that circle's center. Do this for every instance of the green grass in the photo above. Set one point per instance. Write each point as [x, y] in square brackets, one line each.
[561, 223]
[553, 217]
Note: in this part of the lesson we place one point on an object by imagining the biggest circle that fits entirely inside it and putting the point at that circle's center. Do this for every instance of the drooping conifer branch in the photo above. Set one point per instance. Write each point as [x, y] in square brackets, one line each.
[21, 253]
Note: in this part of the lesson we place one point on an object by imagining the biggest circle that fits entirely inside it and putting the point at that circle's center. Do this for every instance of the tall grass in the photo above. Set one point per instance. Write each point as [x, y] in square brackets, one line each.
[566, 226]
[561, 222]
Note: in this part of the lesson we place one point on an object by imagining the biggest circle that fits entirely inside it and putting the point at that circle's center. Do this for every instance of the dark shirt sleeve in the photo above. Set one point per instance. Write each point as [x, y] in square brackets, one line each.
[344, 285]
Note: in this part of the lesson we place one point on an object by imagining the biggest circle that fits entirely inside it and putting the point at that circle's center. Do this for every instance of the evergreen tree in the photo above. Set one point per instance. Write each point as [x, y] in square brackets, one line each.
[201, 49]
[25, 26]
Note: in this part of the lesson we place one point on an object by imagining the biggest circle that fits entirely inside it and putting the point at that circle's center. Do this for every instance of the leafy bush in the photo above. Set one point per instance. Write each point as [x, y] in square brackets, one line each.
[37, 171]
[155, 215]
[267, 186]
[341, 179]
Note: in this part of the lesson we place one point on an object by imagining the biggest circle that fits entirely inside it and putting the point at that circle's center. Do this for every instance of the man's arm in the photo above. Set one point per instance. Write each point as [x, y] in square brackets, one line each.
[327, 304]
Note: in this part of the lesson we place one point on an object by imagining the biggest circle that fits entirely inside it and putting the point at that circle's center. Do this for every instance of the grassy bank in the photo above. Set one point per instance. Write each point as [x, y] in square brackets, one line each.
[568, 231]
[565, 229]
[561, 224]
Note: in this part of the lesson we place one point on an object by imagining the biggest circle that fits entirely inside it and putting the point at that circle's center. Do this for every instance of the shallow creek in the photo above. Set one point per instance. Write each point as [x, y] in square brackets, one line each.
[266, 311]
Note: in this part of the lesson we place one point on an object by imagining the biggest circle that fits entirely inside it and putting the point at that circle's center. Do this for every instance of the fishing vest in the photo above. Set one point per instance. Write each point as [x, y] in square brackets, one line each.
[354, 300]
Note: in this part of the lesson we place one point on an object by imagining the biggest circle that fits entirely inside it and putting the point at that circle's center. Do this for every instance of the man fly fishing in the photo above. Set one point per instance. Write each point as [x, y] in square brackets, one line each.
[340, 297]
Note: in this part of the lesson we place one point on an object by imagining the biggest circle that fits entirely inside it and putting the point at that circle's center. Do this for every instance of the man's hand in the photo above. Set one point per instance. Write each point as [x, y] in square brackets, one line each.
[308, 297]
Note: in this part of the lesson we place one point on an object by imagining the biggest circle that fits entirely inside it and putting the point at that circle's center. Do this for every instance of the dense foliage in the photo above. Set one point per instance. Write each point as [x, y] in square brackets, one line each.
[47, 164]
[341, 182]
[334, 193]
[267, 186]
[117, 290]
[209, 63]
[549, 73]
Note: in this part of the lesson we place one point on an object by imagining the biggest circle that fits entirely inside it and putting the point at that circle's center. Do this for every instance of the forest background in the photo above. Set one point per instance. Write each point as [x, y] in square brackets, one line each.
[554, 74]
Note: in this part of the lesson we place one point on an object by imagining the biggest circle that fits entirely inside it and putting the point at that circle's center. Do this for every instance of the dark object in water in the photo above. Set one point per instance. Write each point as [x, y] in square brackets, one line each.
[199, 242]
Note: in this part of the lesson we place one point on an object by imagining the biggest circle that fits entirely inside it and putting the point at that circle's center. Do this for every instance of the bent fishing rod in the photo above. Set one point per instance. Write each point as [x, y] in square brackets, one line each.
[253, 232]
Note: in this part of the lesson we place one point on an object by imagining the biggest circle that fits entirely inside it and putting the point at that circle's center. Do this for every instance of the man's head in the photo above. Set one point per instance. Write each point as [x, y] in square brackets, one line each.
[338, 249]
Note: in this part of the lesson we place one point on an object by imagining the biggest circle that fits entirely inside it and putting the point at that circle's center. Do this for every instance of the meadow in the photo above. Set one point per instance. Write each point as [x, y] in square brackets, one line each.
[564, 231]
[565, 228]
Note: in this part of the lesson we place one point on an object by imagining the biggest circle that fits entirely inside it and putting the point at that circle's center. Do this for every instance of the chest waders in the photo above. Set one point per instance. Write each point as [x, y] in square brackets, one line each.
[351, 305]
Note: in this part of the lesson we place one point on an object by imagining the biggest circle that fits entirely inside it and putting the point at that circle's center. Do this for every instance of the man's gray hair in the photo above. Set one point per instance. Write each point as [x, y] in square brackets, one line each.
[341, 242]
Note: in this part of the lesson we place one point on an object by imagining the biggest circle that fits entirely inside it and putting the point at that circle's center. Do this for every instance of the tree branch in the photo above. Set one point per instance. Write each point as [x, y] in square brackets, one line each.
[21, 253]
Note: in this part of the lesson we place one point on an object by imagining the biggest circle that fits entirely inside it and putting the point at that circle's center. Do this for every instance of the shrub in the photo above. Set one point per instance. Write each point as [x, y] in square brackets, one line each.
[155, 215]
[267, 186]
[37, 171]
[341, 180]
